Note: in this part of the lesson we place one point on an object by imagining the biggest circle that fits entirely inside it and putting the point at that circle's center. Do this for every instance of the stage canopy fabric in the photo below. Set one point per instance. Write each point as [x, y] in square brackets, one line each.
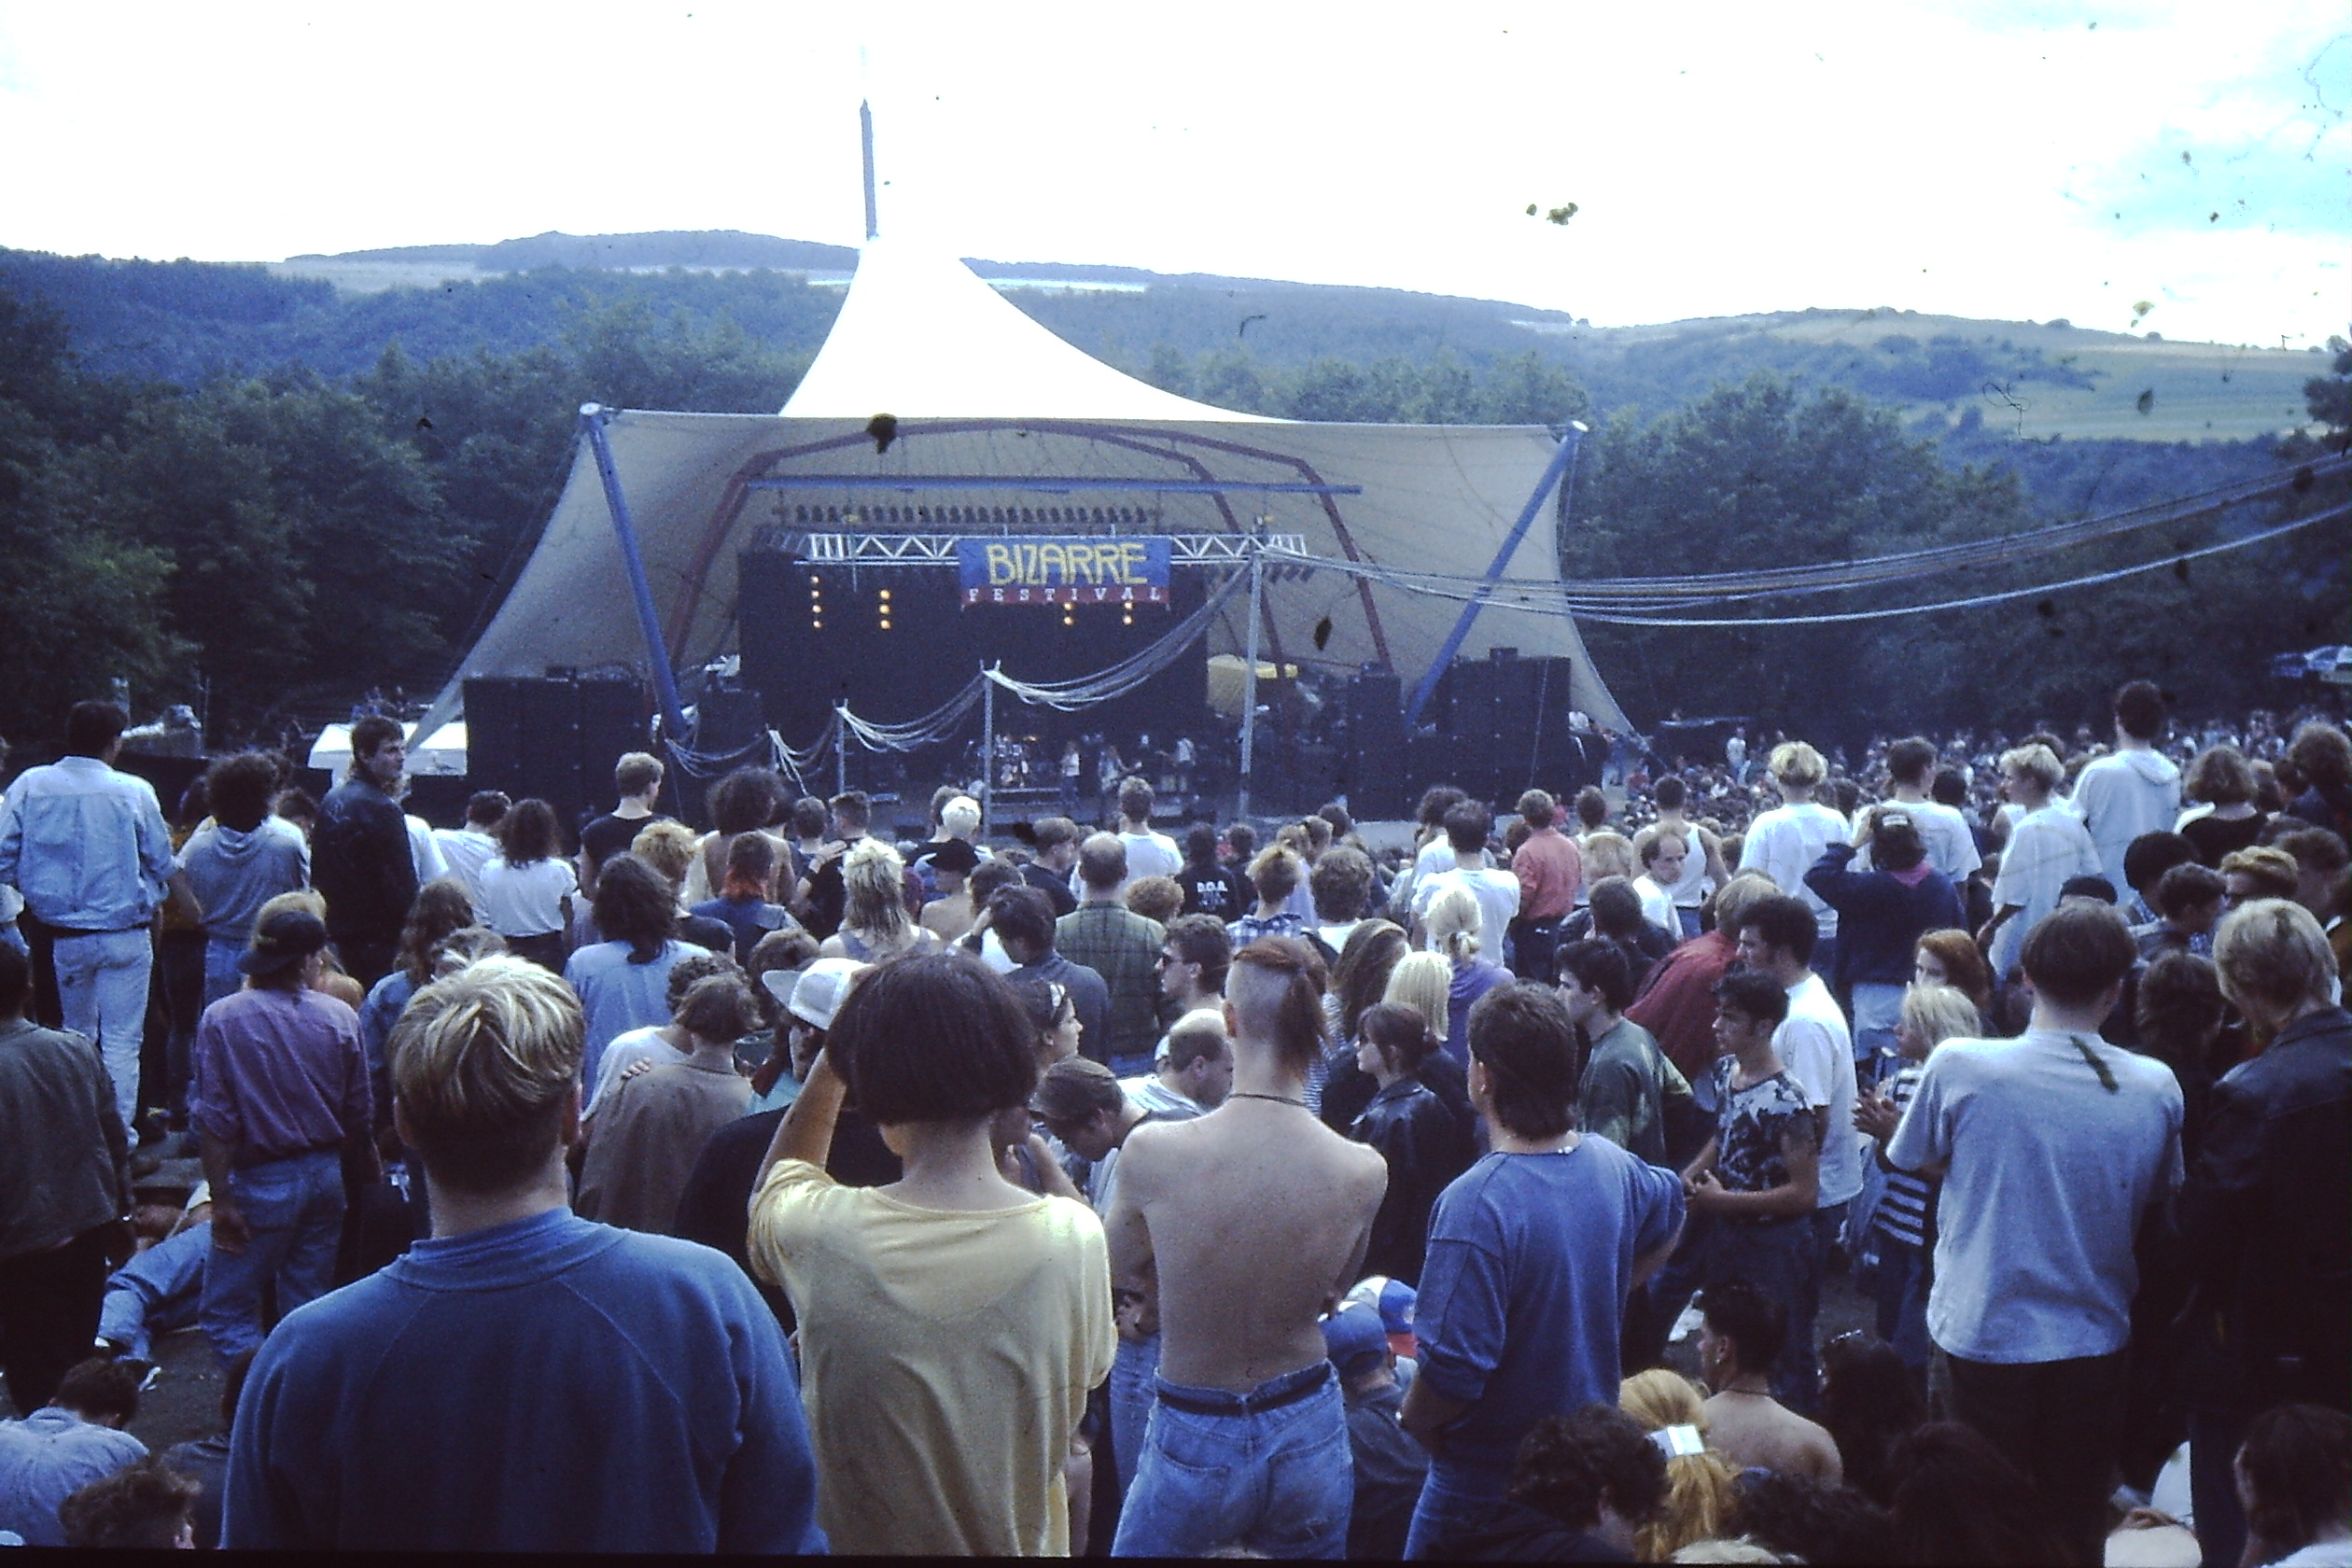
[981, 393]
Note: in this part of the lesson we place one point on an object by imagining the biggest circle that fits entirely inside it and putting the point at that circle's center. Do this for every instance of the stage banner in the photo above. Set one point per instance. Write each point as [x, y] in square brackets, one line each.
[1063, 572]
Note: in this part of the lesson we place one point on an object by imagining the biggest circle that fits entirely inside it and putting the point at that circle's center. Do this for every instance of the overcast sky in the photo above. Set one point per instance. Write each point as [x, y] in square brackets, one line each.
[1992, 157]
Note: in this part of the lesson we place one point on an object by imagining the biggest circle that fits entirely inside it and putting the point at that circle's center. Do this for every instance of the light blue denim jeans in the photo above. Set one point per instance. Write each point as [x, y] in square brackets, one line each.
[102, 990]
[156, 1292]
[1878, 1008]
[294, 1209]
[1275, 1482]
[1133, 1370]
[221, 974]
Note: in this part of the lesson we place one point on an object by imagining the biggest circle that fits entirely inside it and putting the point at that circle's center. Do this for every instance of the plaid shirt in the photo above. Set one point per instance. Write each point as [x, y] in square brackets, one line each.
[1124, 949]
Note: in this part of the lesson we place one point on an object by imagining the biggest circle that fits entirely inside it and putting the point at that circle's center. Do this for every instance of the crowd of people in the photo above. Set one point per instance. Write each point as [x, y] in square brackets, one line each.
[783, 1187]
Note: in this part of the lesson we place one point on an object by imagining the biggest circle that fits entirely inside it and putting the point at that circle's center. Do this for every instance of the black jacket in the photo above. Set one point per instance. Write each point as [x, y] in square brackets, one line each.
[2266, 1217]
[360, 862]
[1425, 1147]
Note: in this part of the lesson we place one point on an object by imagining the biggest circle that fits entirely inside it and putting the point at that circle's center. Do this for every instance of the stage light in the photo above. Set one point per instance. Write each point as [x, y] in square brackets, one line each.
[886, 625]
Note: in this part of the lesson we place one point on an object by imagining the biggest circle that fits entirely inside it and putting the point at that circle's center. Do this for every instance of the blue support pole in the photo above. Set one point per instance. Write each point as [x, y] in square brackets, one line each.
[591, 424]
[865, 141]
[1563, 460]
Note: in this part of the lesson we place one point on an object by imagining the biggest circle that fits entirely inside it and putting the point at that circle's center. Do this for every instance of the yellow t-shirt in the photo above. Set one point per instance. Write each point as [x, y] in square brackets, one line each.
[945, 1360]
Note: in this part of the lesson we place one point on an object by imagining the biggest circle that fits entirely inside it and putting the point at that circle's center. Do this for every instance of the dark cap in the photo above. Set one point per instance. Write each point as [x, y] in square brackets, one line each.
[2088, 886]
[954, 855]
[282, 941]
[1354, 1337]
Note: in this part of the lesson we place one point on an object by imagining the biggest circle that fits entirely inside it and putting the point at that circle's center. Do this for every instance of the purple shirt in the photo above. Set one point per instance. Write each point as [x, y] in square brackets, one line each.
[279, 1073]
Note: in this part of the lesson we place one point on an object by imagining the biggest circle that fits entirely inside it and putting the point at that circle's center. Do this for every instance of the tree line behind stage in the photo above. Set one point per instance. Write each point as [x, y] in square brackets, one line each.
[268, 544]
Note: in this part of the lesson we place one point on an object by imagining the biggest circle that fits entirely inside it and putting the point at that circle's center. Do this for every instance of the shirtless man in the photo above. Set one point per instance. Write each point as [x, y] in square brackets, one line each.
[1249, 1222]
[1740, 1329]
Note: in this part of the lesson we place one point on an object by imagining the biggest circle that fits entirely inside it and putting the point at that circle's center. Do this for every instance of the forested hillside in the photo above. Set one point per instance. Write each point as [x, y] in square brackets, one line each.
[263, 495]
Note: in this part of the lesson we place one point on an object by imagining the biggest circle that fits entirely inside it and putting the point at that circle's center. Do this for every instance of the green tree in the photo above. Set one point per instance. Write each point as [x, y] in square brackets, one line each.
[80, 596]
[2330, 397]
[1528, 389]
[1757, 476]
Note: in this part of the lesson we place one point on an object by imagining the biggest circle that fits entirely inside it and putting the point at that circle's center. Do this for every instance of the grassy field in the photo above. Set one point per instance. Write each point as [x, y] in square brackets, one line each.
[2201, 391]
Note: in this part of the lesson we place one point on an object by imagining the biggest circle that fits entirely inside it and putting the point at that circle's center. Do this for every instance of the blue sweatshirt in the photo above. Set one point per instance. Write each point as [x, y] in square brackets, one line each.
[1881, 915]
[549, 1385]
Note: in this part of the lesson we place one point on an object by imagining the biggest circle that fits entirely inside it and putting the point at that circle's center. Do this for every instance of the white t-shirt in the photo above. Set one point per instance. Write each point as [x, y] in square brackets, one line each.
[424, 853]
[467, 852]
[1657, 904]
[2048, 1177]
[526, 900]
[2048, 847]
[1149, 854]
[1432, 858]
[1950, 846]
[2120, 797]
[1498, 896]
[1786, 841]
[1815, 1045]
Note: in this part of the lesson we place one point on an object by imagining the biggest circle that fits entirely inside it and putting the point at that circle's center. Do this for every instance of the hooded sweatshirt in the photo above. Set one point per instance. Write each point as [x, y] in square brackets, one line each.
[2122, 795]
[233, 873]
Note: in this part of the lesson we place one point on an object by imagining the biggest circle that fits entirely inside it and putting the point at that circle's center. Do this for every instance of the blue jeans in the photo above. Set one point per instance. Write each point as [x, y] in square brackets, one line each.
[102, 989]
[1804, 1314]
[1277, 1481]
[1447, 1511]
[1899, 1286]
[293, 1210]
[156, 1292]
[221, 975]
[1133, 1370]
[1776, 1256]
[1878, 1008]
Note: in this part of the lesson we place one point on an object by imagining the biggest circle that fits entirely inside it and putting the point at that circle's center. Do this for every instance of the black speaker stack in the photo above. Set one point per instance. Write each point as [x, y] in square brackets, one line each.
[1494, 726]
[1372, 752]
[554, 738]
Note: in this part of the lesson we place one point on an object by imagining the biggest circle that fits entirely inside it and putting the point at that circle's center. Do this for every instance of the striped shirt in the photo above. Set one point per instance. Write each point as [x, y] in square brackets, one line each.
[1903, 1213]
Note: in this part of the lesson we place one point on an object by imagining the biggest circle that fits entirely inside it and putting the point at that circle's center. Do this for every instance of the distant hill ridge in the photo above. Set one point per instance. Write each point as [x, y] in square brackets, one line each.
[183, 321]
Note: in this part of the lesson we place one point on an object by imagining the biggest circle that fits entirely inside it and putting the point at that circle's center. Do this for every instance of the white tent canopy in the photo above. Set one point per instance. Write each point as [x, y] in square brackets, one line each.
[979, 390]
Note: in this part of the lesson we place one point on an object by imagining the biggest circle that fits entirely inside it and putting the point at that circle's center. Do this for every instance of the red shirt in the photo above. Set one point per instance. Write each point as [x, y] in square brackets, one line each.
[1678, 1006]
[1550, 870]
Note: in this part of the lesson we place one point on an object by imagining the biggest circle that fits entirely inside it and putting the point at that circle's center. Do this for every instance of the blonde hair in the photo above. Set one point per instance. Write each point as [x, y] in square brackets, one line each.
[2273, 958]
[1453, 923]
[303, 899]
[1939, 1013]
[667, 846]
[1608, 854]
[1423, 982]
[1732, 899]
[2036, 762]
[1702, 1489]
[1793, 762]
[483, 1065]
[872, 882]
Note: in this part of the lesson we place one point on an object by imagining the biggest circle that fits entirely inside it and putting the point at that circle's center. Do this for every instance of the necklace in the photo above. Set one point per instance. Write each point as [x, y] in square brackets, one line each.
[1279, 1099]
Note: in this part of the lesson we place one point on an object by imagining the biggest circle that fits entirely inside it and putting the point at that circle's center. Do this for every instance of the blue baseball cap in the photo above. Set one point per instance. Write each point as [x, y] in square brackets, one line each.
[1393, 1299]
[1354, 1337]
